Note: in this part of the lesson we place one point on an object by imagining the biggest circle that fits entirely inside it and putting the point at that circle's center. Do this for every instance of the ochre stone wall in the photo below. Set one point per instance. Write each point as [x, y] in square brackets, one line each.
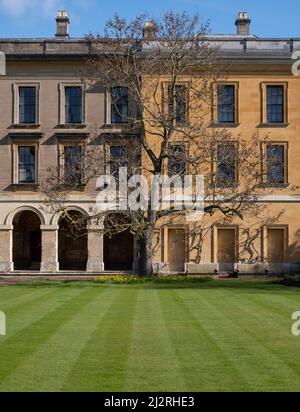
[50, 74]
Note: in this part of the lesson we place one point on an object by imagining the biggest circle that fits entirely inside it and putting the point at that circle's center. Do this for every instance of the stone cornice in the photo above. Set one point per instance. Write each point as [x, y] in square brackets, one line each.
[244, 49]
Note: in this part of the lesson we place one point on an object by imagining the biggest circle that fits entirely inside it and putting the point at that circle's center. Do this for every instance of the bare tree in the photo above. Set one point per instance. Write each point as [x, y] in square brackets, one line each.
[168, 69]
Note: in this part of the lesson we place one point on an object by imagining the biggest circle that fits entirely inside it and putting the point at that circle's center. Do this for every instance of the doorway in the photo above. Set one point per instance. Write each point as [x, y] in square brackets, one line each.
[176, 250]
[276, 248]
[227, 249]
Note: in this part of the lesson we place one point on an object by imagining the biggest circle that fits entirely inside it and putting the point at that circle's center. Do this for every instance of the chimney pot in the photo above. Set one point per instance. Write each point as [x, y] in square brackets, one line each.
[243, 23]
[149, 30]
[62, 25]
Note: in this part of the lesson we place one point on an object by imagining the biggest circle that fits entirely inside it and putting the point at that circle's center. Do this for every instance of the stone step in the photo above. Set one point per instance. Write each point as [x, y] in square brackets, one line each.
[224, 275]
[66, 273]
[227, 275]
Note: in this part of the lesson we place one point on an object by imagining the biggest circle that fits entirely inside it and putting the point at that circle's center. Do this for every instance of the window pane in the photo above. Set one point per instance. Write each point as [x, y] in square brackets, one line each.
[73, 164]
[177, 161]
[26, 165]
[73, 99]
[119, 105]
[27, 105]
[118, 158]
[275, 164]
[226, 165]
[226, 104]
[179, 111]
[275, 107]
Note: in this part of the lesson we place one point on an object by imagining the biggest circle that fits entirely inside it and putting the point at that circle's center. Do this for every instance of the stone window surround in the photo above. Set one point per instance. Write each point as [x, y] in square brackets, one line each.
[16, 143]
[108, 103]
[165, 98]
[114, 139]
[64, 141]
[215, 163]
[185, 147]
[107, 151]
[62, 99]
[16, 100]
[263, 104]
[264, 163]
[214, 106]
[108, 106]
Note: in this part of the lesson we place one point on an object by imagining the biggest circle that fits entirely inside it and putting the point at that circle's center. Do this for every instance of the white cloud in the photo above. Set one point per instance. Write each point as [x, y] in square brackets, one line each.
[17, 8]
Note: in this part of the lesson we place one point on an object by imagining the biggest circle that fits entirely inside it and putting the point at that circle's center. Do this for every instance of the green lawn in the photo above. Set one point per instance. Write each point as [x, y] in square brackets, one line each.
[230, 335]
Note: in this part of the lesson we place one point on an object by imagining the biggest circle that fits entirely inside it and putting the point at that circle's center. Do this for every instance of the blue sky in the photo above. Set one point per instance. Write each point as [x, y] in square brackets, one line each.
[35, 18]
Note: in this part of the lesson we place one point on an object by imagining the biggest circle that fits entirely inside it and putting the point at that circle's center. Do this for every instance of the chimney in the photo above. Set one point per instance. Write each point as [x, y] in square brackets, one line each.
[149, 30]
[62, 25]
[243, 24]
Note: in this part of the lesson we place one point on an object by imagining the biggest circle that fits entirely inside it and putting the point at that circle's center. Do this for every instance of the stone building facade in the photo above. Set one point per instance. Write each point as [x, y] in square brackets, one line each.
[43, 77]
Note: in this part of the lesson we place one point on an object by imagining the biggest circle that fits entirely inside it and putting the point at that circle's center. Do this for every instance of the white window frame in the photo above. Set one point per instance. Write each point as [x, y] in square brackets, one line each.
[264, 163]
[263, 98]
[62, 101]
[108, 111]
[61, 154]
[15, 150]
[16, 102]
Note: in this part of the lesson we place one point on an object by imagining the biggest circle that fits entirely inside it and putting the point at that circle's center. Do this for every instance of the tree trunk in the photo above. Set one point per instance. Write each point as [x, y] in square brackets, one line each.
[146, 253]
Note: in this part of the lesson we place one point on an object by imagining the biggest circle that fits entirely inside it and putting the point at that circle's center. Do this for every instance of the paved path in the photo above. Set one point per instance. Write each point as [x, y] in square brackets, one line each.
[13, 280]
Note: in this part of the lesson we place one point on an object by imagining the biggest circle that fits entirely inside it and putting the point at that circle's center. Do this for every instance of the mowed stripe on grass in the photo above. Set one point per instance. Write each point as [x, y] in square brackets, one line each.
[201, 356]
[250, 341]
[83, 336]
[152, 360]
[33, 325]
[102, 363]
[64, 345]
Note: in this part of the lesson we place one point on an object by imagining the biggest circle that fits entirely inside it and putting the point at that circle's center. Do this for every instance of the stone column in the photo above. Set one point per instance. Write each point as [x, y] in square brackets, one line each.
[49, 248]
[6, 245]
[95, 250]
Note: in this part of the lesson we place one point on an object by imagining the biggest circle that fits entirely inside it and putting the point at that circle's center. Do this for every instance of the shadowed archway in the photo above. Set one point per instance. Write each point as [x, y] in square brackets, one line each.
[27, 244]
[118, 248]
[72, 242]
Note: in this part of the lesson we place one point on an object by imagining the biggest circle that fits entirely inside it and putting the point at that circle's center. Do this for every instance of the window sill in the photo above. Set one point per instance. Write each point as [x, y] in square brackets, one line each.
[26, 187]
[71, 126]
[225, 125]
[115, 125]
[274, 125]
[68, 187]
[183, 125]
[229, 186]
[275, 186]
[25, 126]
